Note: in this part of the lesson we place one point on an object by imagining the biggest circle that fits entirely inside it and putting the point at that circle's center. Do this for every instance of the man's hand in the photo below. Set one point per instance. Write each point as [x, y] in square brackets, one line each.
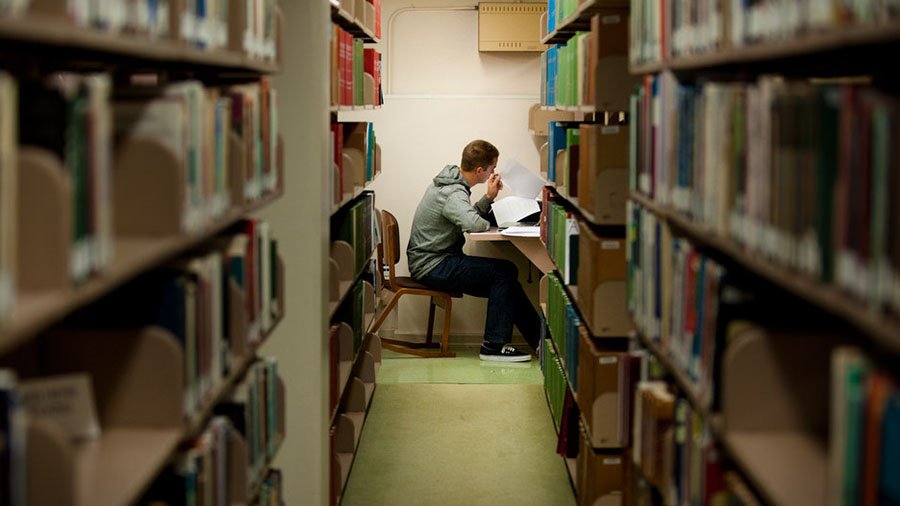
[494, 185]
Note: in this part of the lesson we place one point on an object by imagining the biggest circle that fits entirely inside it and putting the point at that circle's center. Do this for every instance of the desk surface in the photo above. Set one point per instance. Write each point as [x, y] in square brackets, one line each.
[491, 235]
[531, 247]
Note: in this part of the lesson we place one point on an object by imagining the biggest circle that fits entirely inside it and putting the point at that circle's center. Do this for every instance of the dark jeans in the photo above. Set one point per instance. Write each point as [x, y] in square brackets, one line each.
[498, 280]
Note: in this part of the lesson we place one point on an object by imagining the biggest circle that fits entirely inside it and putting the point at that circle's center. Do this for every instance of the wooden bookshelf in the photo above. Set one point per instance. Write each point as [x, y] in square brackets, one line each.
[685, 385]
[883, 330]
[351, 22]
[145, 398]
[56, 34]
[109, 472]
[355, 369]
[777, 462]
[349, 418]
[581, 19]
[809, 44]
[37, 310]
[593, 478]
[563, 194]
[352, 196]
[237, 371]
[345, 283]
[371, 346]
[777, 395]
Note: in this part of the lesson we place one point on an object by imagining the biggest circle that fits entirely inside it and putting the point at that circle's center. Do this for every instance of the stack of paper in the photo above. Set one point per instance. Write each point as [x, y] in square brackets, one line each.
[526, 187]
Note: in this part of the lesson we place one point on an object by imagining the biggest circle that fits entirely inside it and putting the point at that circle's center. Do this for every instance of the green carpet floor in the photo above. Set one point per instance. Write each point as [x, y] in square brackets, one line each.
[458, 444]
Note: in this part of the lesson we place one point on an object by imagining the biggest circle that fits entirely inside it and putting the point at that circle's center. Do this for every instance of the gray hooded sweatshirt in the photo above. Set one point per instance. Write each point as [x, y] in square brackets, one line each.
[440, 220]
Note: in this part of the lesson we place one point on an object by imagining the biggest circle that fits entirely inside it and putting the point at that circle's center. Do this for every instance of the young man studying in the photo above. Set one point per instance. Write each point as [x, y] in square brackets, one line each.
[436, 258]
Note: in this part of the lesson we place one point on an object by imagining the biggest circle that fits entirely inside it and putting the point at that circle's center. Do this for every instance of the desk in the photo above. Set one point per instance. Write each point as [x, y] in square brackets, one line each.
[531, 247]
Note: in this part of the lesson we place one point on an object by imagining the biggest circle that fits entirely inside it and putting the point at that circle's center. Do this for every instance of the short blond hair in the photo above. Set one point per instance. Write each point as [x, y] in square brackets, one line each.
[478, 153]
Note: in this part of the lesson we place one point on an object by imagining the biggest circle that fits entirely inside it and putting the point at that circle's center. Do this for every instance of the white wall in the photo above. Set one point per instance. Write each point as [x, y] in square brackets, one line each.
[441, 93]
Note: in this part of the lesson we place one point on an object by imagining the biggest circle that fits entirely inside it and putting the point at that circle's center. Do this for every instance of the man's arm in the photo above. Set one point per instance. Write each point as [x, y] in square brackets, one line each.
[483, 206]
[460, 212]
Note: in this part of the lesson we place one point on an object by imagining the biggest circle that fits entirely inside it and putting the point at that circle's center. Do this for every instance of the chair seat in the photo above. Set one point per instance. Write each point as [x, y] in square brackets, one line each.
[408, 282]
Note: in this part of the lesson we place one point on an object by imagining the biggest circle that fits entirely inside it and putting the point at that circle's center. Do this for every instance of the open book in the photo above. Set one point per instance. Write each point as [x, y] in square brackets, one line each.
[526, 187]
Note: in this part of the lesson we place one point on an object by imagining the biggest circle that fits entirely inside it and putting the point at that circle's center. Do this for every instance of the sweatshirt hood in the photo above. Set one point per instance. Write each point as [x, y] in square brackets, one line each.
[451, 174]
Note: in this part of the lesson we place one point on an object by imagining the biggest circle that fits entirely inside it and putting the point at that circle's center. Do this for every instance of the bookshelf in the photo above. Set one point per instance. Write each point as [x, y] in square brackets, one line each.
[588, 368]
[90, 236]
[46, 34]
[575, 16]
[795, 320]
[354, 278]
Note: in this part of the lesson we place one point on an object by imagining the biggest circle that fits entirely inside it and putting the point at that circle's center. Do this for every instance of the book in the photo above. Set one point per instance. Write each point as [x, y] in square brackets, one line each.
[13, 426]
[9, 190]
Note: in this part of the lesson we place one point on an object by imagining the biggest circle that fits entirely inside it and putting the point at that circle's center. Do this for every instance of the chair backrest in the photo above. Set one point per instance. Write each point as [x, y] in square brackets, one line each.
[391, 242]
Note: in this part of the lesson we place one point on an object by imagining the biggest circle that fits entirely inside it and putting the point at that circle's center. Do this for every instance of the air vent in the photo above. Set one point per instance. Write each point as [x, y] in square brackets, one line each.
[510, 27]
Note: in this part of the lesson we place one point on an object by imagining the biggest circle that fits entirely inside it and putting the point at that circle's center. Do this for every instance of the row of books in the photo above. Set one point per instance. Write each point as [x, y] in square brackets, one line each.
[864, 441]
[50, 416]
[591, 259]
[356, 159]
[591, 68]
[226, 138]
[246, 26]
[227, 462]
[588, 163]
[560, 227]
[346, 335]
[347, 423]
[103, 141]
[563, 323]
[661, 434]
[707, 327]
[665, 30]
[555, 382]
[674, 295]
[674, 449]
[737, 156]
[622, 404]
[601, 281]
[218, 304]
[602, 379]
[351, 64]
[355, 225]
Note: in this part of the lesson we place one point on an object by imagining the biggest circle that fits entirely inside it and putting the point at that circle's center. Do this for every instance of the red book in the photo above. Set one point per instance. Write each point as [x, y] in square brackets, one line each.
[377, 4]
[370, 66]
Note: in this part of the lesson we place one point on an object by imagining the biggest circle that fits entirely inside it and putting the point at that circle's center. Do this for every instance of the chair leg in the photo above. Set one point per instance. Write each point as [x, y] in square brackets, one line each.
[373, 329]
[430, 334]
[401, 346]
[445, 337]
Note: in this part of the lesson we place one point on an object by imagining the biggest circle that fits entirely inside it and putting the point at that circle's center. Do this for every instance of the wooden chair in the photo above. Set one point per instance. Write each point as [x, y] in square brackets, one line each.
[389, 255]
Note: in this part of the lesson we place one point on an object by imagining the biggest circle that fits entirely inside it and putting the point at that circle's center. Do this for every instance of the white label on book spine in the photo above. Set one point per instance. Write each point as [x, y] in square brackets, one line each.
[612, 461]
[609, 130]
[608, 360]
[612, 20]
[608, 245]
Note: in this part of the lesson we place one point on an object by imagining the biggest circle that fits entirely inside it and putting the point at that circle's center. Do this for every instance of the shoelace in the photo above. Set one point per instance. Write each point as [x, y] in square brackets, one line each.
[507, 349]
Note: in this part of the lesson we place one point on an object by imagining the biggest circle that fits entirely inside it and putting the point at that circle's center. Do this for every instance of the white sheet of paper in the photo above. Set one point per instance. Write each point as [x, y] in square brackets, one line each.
[522, 231]
[522, 182]
[66, 399]
[512, 209]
